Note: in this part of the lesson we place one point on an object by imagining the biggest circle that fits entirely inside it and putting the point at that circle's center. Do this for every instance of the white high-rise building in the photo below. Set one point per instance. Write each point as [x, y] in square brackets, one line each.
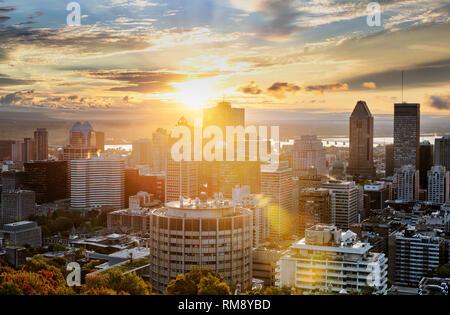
[331, 261]
[345, 200]
[160, 147]
[438, 185]
[97, 182]
[242, 197]
[308, 152]
[182, 179]
[276, 187]
[406, 183]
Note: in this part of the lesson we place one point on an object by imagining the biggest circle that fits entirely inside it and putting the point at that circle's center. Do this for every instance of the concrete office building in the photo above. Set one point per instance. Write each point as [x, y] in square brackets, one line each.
[413, 256]
[308, 152]
[48, 179]
[17, 205]
[22, 233]
[406, 183]
[329, 260]
[41, 143]
[160, 149]
[344, 202]
[142, 152]
[276, 186]
[96, 183]
[213, 234]
[314, 208]
[361, 142]
[6, 150]
[406, 135]
[438, 185]
[442, 151]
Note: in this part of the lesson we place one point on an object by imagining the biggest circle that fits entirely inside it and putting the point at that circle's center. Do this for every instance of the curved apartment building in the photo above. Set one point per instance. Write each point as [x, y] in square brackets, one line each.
[209, 234]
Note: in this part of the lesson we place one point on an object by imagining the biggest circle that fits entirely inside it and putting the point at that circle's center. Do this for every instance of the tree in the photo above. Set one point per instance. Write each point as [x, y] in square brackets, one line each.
[443, 271]
[211, 285]
[202, 281]
[114, 281]
[182, 286]
[277, 291]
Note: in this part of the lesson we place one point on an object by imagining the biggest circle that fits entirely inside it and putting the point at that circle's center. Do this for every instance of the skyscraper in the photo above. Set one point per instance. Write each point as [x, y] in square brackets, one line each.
[406, 135]
[96, 183]
[182, 176]
[389, 160]
[425, 162]
[100, 140]
[28, 150]
[438, 185]
[217, 234]
[406, 183]
[344, 202]
[442, 152]
[48, 179]
[160, 148]
[41, 143]
[314, 208]
[361, 142]
[308, 152]
[17, 205]
[82, 143]
[6, 149]
[82, 135]
[276, 187]
[223, 115]
[142, 152]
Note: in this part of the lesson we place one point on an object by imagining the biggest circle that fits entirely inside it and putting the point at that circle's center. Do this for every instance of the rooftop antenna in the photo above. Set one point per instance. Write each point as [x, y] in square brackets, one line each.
[402, 87]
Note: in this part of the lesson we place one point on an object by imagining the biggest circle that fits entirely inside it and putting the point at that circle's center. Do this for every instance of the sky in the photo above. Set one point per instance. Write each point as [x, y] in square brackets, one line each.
[279, 59]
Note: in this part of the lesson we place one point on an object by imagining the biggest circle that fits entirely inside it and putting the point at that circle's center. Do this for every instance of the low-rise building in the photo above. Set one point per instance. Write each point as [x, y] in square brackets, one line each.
[333, 261]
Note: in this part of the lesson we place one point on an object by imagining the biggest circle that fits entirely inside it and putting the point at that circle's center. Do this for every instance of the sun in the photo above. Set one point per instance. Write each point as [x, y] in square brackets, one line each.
[194, 94]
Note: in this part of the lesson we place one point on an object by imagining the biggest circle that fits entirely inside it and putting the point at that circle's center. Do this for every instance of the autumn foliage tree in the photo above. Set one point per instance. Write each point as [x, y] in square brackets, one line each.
[202, 281]
[114, 282]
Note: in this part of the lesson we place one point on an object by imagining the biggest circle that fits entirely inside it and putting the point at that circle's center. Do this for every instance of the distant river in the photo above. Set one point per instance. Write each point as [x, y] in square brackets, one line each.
[342, 142]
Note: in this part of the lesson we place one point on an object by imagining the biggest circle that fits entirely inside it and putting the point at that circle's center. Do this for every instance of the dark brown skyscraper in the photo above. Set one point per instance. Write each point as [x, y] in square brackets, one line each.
[406, 135]
[426, 163]
[361, 141]
[389, 160]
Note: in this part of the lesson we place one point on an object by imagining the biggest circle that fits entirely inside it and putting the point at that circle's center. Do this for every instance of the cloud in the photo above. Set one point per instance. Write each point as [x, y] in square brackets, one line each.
[279, 17]
[5, 80]
[17, 98]
[369, 85]
[440, 102]
[280, 89]
[251, 88]
[7, 9]
[327, 87]
[139, 81]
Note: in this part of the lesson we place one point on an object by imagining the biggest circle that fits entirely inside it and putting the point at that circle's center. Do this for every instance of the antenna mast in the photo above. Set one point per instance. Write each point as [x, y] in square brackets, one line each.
[402, 87]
